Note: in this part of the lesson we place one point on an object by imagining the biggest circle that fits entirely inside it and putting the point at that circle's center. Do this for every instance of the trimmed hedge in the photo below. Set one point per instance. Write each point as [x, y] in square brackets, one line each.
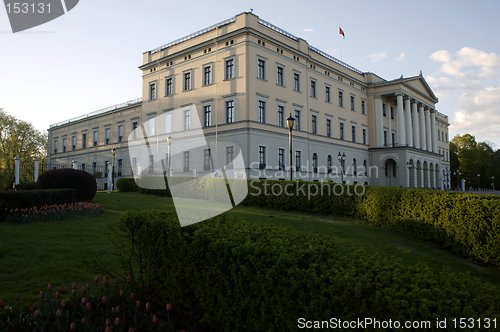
[84, 183]
[226, 274]
[21, 199]
[27, 186]
[127, 185]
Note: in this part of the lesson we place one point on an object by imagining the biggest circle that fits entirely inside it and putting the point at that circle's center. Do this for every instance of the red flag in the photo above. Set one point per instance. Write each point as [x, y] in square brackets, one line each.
[341, 32]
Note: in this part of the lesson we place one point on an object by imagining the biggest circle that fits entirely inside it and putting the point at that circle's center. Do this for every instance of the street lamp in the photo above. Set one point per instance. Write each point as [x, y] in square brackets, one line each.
[290, 123]
[113, 152]
[341, 158]
[478, 177]
[169, 142]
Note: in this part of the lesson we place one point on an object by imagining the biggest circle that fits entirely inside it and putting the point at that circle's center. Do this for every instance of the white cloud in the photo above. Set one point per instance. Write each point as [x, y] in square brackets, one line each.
[468, 62]
[441, 56]
[400, 57]
[376, 57]
[308, 30]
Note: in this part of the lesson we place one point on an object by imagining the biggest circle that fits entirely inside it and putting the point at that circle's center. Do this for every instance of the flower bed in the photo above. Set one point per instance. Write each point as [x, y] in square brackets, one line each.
[53, 212]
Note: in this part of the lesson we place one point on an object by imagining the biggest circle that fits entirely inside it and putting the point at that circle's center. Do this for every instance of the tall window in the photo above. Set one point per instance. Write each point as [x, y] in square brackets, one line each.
[313, 89]
[353, 133]
[84, 140]
[152, 91]
[107, 135]
[230, 111]
[341, 130]
[120, 133]
[315, 162]
[383, 110]
[187, 81]
[327, 94]
[363, 107]
[262, 111]
[207, 75]
[120, 167]
[281, 159]
[207, 160]
[385, 137]
[229, 157]
[365, 168]
[73, 142]
[185, 167]
[261, 69]
[169, 86]
[95, 137]
[314, 124]
[298, 160]
[364, 135]
[392, 113]
[329, 163]
[55, 146]
[281, 116]
[297, 120]
[207, 115]
[280, 76]
[354, 166]
[341, 99]
[187, 119]
[352, 103]
[229, 69]
[262, 157]
[329, 127]
[64, 143]
[296, 81]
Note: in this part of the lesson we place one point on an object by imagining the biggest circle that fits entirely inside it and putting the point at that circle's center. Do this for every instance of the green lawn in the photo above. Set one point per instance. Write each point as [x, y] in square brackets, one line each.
[63, 251]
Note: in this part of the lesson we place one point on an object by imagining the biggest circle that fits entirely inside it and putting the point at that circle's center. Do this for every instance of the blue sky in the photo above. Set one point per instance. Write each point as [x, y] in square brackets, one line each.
[88, 58]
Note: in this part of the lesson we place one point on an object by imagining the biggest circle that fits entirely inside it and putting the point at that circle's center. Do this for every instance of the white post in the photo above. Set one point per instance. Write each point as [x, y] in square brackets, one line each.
[423, 143]
[433, 132]
[110, 176]
[36, 170]
[379, 122]
[17, 170]
[389, 129]
[400, 120]
[409, 133]
[428, 129]
[416, 127]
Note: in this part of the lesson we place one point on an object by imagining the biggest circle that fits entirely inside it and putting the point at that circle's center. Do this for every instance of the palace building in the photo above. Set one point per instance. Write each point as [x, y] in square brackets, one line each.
[245, 77]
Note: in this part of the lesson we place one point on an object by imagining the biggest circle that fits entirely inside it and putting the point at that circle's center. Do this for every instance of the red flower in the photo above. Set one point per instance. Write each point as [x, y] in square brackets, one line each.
[155, 319]
[84, 300]
[37, 314]
[58, 313]
[133, 296]
[168, 307]
[117, 321]
[72, 326]
[138, 304]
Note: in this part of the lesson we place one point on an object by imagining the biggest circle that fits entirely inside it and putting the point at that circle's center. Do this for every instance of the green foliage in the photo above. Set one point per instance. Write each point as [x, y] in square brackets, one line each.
[84, 183]
[23, 199]
[127, 185]
[226, 274]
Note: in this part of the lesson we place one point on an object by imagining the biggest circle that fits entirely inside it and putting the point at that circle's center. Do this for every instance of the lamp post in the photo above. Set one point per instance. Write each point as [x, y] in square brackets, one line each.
[113, 153]
[169, 161]
[341, 158]
[290, 123]
[478, 177]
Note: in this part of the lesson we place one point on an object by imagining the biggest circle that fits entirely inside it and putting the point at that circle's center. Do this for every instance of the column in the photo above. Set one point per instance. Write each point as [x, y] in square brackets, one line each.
[379, 122]
[409, 130]
[428, 129]
[407, 177]
[423, 144]
[416, 127]
[433, 131]
[400, 116]
[422, 182]
[429, 183]
[389, 130]
[17, 170]
[35, 176]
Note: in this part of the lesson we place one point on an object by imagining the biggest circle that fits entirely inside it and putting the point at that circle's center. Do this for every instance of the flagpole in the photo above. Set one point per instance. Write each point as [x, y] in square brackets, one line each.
[340, 29]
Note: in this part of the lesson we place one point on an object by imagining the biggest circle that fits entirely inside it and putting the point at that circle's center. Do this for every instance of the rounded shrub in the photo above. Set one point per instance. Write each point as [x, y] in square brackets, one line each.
[127, 185]
[84, 183]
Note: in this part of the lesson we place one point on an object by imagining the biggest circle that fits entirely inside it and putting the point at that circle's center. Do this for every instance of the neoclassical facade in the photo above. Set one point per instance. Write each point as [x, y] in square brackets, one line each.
[243, 77]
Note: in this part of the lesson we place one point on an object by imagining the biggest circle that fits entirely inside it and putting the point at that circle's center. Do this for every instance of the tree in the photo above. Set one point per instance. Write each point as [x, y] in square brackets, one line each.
[19, 139]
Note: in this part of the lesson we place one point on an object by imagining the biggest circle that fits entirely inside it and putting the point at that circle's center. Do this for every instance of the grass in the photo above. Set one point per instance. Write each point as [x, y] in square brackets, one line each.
[31, 255]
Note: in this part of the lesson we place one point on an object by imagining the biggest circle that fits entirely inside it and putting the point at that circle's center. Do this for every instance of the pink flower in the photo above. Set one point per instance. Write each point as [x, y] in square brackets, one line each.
[84, 300]
[117, 321]
[148, 306]
[155, 319]
[168, 307]
[37, 314]
[72, 326]
[58, 313]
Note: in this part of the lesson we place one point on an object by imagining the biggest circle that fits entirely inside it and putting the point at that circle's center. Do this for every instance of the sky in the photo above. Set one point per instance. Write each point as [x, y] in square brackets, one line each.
[88, 59]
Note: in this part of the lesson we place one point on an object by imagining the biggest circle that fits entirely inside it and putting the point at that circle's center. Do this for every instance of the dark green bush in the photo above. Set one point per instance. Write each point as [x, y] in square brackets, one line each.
[126, 185]
[21, 199]
[27, 186]
[83, 182]
[225, 274]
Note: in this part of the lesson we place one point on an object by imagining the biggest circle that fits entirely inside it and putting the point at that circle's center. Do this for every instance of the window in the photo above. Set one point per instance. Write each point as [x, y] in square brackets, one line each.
[298, 160]
[329, 163]
[107, 135]
[95, 137]
[187, 119]
[383, 110]
[185, 167]
[120, 133]
[354, 166]
[120, 167]
[207, 115]
[393, 137]
[341, 99]
[314, 124]
[439, 135]
[341, 130]
[313, 89]
[327, 94]
[297, 120]
[84, 140]
[83, 167]
[352, 103]
[329, 127]
[353, 133]
[230, 111]
[73, 142]
[152, 91]
[280, 76]
[151, 126]
[55, 146]
[385, 137]
[187, 81]
[262, 111]
[64, 143]
[261, 69]
[207, 160]
[296, 81]
[281, 159]
[169, 86]
[363, 107]
[364, 135]
[281, 116]
[392, 113]
[262, 157]
[315, 162]
[168, 122]
[229, 69]
[207, 75]
[229, 157]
